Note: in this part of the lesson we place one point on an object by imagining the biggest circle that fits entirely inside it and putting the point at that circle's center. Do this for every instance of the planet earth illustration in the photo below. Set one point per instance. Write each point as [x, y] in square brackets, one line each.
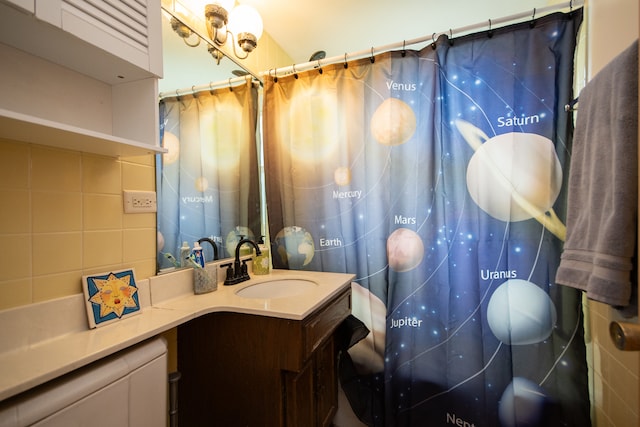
[514, 176]
[234, 236]
[521, 313]
[294, 247]
[405, 250]
[393, 122]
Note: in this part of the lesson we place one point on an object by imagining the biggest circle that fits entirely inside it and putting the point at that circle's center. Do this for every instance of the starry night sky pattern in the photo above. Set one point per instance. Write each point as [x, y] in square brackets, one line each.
[443, 363]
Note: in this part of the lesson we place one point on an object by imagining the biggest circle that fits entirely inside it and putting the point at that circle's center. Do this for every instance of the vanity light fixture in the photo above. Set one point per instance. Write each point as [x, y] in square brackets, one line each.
[243, 23]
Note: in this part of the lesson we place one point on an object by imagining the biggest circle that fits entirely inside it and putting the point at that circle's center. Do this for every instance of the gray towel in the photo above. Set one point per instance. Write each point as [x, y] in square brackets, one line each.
[598, 255]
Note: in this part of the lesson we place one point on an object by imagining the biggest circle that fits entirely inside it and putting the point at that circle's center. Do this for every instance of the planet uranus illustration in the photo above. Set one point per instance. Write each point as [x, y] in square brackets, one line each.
[520, 313]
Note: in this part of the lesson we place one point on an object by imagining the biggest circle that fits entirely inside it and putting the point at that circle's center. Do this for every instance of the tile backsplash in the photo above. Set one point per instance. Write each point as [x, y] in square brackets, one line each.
[62, 216]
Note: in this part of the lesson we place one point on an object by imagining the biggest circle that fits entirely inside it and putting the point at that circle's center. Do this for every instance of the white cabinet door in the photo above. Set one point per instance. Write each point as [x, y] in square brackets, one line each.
[128, 29]
[28, 5]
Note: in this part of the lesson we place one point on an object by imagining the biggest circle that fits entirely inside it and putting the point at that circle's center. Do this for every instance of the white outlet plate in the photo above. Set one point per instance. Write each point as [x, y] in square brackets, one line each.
[139, 201]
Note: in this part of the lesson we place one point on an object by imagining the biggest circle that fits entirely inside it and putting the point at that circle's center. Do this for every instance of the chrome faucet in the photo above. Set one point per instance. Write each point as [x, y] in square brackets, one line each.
[213, 244]
[238, 273]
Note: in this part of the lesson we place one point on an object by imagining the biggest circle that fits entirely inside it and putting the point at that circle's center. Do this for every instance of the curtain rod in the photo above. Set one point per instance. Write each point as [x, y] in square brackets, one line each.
[230, 83]
[370, 52]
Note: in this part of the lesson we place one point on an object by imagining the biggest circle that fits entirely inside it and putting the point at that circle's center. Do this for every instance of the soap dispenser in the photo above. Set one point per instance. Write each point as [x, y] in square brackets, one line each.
[185, 251]
[262, 262]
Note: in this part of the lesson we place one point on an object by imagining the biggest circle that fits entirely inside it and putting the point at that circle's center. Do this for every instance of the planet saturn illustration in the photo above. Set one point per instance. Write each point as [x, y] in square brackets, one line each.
[514, 176]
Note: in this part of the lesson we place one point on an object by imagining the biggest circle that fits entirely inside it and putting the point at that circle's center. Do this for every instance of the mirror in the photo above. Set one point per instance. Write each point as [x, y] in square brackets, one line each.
[187, 67]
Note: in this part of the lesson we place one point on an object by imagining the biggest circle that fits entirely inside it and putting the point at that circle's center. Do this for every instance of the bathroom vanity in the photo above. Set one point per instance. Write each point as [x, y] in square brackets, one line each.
[258, 353]
[258, 370]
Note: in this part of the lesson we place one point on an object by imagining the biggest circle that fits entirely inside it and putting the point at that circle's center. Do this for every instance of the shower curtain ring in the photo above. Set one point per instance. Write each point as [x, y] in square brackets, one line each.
[490, 32]
[211, 88]
[433, 41]
[450, 37]
[345, 61]
[193, 91]
[372, 59]
[533, 19]
[230, 87]
[295, 73]
[404, 51]
[319, 67]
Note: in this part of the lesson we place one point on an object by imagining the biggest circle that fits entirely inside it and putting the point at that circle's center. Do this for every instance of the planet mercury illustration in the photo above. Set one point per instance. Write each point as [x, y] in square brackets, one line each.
[393, 122]
[342, 176]
[514, 176]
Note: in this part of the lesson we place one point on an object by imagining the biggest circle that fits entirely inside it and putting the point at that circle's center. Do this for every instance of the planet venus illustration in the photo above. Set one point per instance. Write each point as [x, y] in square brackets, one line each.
[172, 144]
[393, 122]
[514, 176]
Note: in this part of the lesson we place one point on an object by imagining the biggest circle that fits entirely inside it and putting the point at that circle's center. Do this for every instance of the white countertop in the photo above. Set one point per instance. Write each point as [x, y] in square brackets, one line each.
[40, 342]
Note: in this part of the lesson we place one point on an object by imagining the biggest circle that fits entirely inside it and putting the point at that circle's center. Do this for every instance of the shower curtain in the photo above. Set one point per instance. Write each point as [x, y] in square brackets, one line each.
[207, 182]
[438, 177]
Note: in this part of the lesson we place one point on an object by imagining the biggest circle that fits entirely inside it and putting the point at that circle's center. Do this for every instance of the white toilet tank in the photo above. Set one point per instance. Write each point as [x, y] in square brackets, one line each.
[128, 388]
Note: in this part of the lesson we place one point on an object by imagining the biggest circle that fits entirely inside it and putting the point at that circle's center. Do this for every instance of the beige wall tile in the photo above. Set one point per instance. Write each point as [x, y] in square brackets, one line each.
[144, 268]
[56, 170]
[138, 177]
[15, 257]
[57, 253]
[56, 211]
[15, 211]
[56, 285]
[15, 293]
[147, 160]
[102, 248]
[139, 220]
[136, 244]
[14, 165]
[101, 175]
[102, 212]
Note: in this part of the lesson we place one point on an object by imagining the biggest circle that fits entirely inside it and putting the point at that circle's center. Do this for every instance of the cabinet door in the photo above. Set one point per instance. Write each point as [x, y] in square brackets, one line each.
[128, 29]
[326, 384]
[28, 5]
[299, 402]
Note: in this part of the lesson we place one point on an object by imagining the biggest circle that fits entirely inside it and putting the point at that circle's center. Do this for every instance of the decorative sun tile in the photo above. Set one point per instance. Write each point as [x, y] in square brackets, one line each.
[110, 296]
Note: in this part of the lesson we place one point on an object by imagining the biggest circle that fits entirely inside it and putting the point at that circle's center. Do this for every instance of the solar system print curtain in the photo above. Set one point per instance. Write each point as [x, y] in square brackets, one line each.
[438, 177]
[207, 182]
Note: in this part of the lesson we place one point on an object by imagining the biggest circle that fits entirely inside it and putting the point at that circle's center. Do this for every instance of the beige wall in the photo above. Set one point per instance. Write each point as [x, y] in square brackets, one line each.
[62, 216]
[612, 25]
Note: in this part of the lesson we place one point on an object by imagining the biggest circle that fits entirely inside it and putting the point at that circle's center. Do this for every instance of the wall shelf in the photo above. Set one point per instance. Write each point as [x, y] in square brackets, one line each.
[22, 127]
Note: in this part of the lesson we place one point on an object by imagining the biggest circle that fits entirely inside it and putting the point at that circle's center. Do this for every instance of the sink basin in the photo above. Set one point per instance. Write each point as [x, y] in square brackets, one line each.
[279, 288]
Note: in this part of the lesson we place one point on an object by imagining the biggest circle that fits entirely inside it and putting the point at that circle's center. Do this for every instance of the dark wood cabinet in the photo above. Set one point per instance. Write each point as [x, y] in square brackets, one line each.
[249, 370]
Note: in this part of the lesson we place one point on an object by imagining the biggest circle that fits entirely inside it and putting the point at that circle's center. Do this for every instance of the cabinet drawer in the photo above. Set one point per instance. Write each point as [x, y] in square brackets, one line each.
[322, 324]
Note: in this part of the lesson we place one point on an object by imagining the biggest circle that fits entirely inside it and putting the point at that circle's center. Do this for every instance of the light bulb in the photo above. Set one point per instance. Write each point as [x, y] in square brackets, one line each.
[245, 19]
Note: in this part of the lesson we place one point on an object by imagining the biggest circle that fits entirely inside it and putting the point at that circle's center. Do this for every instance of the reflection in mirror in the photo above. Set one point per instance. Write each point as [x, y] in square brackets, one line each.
[208, 181]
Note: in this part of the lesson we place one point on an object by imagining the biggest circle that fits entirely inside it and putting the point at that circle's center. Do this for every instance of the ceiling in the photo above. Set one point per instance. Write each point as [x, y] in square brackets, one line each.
[302, 27]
